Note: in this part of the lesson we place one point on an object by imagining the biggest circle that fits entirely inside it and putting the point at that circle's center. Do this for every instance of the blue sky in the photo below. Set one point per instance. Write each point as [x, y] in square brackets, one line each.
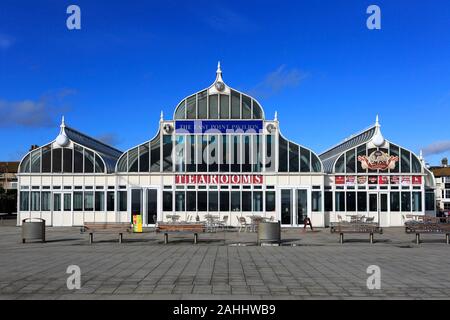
[315, 62]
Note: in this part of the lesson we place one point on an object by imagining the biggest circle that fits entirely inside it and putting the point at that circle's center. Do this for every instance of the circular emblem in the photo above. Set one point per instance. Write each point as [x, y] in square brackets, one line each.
[220, 86]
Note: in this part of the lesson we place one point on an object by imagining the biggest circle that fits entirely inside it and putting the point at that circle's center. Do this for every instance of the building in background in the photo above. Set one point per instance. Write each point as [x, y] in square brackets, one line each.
[8, 175]
[442, 175]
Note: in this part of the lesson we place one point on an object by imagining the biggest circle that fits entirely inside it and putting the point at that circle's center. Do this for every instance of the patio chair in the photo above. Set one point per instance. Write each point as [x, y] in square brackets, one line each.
[223, 223]
[243, 223]
[339, 218]
[370, 219]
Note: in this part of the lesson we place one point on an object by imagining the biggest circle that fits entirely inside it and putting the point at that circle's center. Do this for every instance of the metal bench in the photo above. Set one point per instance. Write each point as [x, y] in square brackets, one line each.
[355, 227]
[180, 228]
[117, 228]
[429, 226]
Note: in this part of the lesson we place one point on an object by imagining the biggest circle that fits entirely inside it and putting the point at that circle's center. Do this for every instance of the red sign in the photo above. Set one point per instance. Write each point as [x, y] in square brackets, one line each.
[378, 160]
[406, 181]
[218, 179]
[395, 179]
[373, 179]
[383, 180]
[416, 180]
[339, 180]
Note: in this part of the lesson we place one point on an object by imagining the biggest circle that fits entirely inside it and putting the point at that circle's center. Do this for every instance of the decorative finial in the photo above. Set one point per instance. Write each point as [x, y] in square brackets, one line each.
[219, 70]
[161, 118]
[421, 155]
[378, 139]
[276, 116]
[62, 140]
[63, 124]
[377, 122]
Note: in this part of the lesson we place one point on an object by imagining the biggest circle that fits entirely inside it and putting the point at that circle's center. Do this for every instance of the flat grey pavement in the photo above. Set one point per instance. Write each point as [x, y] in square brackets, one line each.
[311, 265]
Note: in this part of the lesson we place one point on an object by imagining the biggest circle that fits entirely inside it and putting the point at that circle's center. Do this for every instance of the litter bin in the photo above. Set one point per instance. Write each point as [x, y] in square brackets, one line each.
[33, 229]
[269, 232]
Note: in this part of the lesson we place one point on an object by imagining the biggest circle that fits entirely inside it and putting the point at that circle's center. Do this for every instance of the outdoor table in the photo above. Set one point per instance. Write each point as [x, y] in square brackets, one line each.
[210, 221]
[173, 217]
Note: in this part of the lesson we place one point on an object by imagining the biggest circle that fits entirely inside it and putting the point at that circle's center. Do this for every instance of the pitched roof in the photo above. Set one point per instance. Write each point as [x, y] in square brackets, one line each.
[109, 154]
[329, 156]
[440, 171]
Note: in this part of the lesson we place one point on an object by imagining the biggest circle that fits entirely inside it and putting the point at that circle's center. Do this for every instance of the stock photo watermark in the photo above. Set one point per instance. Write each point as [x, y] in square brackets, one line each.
[74, 280]
[374, 280]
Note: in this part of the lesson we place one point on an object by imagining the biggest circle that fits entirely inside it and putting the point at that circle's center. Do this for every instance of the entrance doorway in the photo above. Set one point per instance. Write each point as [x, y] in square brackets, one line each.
[294, 206]
[145, 202]
[62, 206]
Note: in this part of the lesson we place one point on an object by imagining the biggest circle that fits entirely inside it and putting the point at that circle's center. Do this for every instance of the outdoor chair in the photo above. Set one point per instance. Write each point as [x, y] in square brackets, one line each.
[243, 224]
[370, 219]
[339, 218]
[223, 223]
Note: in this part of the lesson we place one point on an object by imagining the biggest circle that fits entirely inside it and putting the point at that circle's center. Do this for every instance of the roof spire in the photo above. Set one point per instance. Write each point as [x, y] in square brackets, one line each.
[219, 73]
[63, 124]
[219, 70]
[276, 116]
[161, 117]
[377, 122]
[378, 139]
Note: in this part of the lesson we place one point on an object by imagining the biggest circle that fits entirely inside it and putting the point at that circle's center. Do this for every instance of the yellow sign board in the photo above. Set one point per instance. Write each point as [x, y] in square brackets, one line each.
[137, 223]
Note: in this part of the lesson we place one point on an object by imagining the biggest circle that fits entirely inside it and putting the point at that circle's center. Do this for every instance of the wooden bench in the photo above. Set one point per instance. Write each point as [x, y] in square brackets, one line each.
[118, 228]
[358, 227]
[434, 226]
[180, 228]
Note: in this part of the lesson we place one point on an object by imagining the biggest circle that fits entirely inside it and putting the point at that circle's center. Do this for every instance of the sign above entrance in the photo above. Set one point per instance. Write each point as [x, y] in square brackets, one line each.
[378, 160]
[218, 179]
[218, 126]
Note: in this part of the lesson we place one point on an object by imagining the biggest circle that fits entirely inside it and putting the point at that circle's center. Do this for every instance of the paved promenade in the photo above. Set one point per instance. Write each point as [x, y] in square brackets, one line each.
[311, 265]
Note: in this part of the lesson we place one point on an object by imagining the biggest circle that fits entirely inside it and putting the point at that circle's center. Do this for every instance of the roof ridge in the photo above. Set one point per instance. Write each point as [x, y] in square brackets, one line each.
[93, 139]
[347, 139]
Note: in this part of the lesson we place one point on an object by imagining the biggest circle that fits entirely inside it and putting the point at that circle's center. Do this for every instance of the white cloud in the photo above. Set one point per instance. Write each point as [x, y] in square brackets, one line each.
[437, 148]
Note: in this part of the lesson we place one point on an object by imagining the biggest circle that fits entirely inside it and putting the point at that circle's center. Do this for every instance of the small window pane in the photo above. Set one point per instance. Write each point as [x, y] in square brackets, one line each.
[191, 107]
[67, 160]
[235, 201]
[202, 201]
[47, 159]
[99, 201]
[78, 201]
[181, 109]
[304, 160]
[36, 161]
[133, 160]
[110, 201]
[235, 105]
[99, 166]
[213, 106]
[88, 201]
[224, 201]
[283, 155]
[88, 161]
[24, 201]
[78, 159]
[213, 201]
[246, 201]
[202, 105]
[246, 107]
[293, 157]
[224, 107]
[167, 201]
[270, 201]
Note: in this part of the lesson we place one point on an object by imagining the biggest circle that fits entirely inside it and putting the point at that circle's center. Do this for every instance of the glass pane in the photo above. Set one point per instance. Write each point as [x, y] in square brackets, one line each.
[180, 111]
[45, 201]
[294, 151]
[155, 155]
[47, 159]
[180, 153]
[152, 206]
[417, 201]
[99, 166]
[224, 201]
[302, 205]
[213, 201]
[67, 160]
[24, 201]
[136, 202]
[78, 201]
[257, 110]
[257, 153]
[304, 160]
[190, 154]
[35, 201]
[214, 107]
[350, 159]
[394, 151]
[56, 202]
[340, 201]
[122, 200]
[144, 158]
[361, 151]
[99, 201]
[88, 201]
[235, 105]
[235, 201]
[340, 165]
[405, 161]
[67, 202]
[213, 155]
[167, 153]
[351, 201]
[133, 160]
[191, 107]
[282, 155]
[57, 160]
[246, 107]
[224, 151]
[235, 153]
[167, 201]
[202, 144]
[202, 201]
[328, 201]
[110, 201]
[180, 201]
[316, 201]
[224, 107]
[286, 206]
[270, 153]
[383, 202]
[78, 159]
[315, 163]
[270, 201]
[362, 201]
[88, 161]
[246, 201]
[36, 161]
[406, 201]
[416, 165]
[373, 202]
[202, 105]
[191, 201]
[395, 201]
[25, 165]
[257, 201]
[246, 155]
[122, 164]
